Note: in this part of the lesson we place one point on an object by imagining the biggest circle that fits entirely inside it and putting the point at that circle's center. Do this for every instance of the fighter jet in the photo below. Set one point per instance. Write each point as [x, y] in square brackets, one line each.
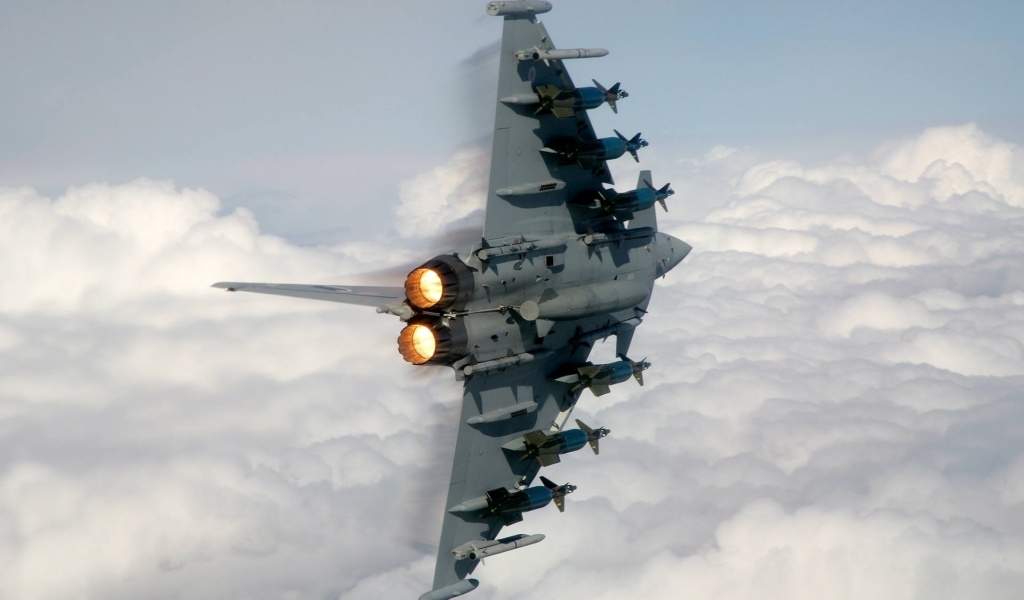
[524, 306]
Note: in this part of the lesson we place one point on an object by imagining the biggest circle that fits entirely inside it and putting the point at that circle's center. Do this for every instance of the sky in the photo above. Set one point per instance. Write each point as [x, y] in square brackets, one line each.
[312, 113]
[835, 406]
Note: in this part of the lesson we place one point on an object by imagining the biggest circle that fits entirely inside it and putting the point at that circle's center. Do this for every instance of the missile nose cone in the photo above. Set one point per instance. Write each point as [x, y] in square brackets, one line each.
[671, 251]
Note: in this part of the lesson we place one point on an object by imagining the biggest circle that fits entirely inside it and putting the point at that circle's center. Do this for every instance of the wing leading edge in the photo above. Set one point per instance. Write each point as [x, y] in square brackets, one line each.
[497, 408]
[347, 294]
[530, 188]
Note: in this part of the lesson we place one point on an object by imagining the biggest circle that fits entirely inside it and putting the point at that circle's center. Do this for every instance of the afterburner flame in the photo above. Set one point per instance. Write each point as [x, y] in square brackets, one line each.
[423, 341]
[424, 288]
[417, 344]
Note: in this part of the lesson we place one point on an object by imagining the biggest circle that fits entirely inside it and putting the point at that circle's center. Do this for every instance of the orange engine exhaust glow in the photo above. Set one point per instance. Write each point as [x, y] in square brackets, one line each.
[423, 287]
[417, 344]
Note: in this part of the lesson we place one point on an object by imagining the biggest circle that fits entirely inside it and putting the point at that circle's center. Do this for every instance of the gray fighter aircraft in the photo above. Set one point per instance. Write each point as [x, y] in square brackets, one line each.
[515, 315]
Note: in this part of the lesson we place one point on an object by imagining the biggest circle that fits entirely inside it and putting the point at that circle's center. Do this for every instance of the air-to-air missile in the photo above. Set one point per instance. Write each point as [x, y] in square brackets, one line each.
[510, 505]
[588, 153]
[536, 53]
[481, 549]
[599, 378]
[622, 206]
[548, 446]
[564, 103]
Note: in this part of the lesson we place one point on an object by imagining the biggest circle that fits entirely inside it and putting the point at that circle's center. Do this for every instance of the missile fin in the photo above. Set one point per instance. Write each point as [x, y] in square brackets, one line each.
[536, 438]
[496, 495]
[544, 327]
[511, 518]
[548, 459]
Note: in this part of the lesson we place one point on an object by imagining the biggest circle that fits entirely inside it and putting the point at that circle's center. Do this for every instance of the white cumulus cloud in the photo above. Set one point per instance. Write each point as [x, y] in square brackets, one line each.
[834, 410]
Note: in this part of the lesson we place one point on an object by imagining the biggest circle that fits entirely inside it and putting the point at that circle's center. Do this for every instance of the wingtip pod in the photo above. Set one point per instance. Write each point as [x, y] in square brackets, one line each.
[517, 8]
[450, 591]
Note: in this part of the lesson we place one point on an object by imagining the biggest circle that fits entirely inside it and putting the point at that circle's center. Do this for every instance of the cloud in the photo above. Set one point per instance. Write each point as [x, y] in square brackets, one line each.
[445, 197]
[834, 409]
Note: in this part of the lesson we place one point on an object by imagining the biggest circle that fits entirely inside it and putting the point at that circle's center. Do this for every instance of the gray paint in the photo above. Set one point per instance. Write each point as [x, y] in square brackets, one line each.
[550, 276]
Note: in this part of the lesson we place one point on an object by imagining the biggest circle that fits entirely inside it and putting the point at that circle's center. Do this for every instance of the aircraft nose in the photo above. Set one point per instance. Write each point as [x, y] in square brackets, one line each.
[671, 252]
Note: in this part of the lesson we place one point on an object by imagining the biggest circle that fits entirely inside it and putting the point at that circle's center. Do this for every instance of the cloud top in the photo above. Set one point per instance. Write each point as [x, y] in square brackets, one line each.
[833, 410]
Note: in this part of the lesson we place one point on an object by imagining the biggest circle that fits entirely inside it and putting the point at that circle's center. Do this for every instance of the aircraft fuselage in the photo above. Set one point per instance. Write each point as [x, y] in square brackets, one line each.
[522, 304]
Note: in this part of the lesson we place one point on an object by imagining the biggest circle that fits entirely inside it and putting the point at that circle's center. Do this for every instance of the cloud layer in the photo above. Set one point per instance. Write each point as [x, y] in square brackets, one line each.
[834, 409]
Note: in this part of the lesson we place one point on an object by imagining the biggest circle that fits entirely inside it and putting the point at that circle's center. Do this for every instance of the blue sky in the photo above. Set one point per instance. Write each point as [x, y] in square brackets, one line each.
[301, 109]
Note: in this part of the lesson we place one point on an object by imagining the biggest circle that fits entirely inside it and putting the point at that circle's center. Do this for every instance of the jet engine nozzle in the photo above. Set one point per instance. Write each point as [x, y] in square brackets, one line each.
[430, 341]
[440, 283]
